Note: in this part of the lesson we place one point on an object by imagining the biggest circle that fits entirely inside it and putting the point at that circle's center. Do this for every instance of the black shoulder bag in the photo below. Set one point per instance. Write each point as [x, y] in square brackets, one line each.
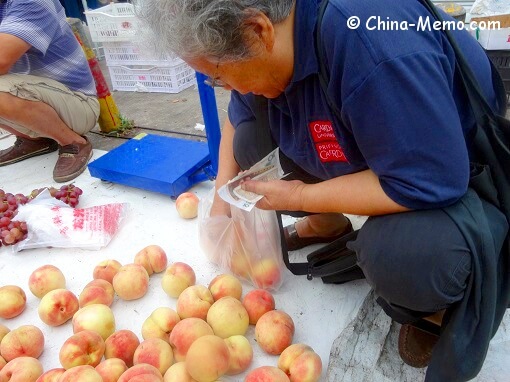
[490, 168]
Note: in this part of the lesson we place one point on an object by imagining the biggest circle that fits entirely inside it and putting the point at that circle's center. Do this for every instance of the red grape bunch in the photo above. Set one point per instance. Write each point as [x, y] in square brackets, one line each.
[13, 231]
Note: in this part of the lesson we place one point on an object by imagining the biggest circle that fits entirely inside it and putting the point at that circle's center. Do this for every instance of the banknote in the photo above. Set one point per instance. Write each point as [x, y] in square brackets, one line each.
[268, 168]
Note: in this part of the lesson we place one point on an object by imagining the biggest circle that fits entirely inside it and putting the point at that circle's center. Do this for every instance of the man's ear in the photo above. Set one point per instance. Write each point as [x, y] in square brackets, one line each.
[259, 31]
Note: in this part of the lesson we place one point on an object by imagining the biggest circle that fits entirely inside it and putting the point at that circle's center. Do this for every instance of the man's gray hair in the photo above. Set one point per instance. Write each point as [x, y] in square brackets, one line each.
[206, 28]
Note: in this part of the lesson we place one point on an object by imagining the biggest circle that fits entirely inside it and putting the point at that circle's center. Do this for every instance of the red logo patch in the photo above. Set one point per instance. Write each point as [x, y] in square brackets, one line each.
[326, 144]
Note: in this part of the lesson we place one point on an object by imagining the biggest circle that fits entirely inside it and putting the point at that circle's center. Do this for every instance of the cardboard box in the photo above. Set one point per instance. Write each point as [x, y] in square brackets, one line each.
[493, 39]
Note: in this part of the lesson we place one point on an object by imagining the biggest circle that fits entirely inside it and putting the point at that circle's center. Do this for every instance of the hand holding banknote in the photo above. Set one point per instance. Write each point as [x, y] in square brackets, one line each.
[268, 168]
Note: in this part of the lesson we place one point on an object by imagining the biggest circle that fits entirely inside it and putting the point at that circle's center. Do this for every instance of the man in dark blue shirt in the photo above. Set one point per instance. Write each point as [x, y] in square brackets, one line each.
[389, 140]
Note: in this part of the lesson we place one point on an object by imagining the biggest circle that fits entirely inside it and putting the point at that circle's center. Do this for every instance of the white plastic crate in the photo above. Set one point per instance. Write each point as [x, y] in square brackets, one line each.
[114, 22]
[128, 53]
[152, 79]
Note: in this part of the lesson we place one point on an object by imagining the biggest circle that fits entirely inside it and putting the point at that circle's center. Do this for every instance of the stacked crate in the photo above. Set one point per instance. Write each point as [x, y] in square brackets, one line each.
[131, 68]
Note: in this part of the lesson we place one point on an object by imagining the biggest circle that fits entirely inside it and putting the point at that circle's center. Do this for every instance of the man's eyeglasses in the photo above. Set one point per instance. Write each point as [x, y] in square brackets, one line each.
[215, 82]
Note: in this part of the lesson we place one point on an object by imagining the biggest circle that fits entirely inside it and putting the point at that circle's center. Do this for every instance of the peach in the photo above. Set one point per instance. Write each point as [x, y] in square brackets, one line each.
[25, 341]
[240, 265]
[274, 331]
[52, 375]
[187, 205]
[3, 362]
[257, 302]
[266, 274]
[45, 279]
[228, 317]
[152, 258]
[178, 373]
[225, 285]
[194, 301]
[3, 331]
[160, 323]
[83, 348]
[96, 317]
[185, 333]
[57, 307]
[155, 352]
[82, 373]
[208, 358]
[97, 292]
[106, 270]
[241, 354]
[131, 282]
[12, 301]
[176, 278]
[122, 344]
[111, 369]
[266, 373]
[141, 373]
[21, 369]
[300, 363]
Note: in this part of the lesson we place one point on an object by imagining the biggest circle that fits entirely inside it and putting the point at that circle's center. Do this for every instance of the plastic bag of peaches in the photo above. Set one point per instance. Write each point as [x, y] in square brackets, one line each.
[245, 243]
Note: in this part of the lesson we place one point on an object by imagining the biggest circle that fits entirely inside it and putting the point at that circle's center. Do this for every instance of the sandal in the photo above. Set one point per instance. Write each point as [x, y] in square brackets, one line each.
[294, 242]
[415, 344]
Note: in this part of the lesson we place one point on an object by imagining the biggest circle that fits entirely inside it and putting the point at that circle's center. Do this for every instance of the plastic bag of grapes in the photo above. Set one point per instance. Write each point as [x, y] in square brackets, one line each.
[53, 223]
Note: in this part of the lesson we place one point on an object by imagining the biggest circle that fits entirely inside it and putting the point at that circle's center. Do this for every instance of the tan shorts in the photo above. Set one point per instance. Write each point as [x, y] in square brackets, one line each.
[78, 111]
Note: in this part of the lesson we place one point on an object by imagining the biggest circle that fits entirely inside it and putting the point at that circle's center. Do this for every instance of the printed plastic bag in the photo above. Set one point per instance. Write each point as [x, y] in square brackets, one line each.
[247, 244]
[52, 223]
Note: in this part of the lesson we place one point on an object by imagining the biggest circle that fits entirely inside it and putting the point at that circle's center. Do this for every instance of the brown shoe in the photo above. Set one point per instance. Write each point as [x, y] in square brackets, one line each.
[26, 148]
[72, 161]
[415, 345]
[294, 242]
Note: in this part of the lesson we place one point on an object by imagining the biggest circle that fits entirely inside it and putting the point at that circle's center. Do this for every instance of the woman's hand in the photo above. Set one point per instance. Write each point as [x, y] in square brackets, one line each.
[278, 194]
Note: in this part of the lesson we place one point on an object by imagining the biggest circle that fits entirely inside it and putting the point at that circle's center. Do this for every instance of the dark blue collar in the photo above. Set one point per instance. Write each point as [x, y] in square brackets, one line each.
[305, 62]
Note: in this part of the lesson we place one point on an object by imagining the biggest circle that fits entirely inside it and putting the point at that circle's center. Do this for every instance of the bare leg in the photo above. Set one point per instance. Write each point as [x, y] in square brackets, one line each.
[38, 117]
[14, 132]
[329, 224]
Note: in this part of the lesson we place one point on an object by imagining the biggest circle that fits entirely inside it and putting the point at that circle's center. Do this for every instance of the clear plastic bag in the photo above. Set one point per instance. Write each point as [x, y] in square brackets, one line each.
[52, 223]
[246, 244]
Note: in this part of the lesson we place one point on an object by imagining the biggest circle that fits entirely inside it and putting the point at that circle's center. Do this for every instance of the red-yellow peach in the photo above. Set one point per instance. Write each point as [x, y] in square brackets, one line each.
[240, 265]
[21, 369]
[106, 270]
[97, 291]
[96, 317]
[176, 278]
[266, 373]
[300, 363]
[131, 282]
[143, 373]
[83, 373]
[187, 205]
[45, 279]
[241, 354]
[122, 344]
[274, 331]
[3, 331]
[266, 274]
[178, 373]
[153, 258]
[111, 369]
[3, 362]
[25, 341]
[155, 352]
[185, 333]
[257, 302]
[83, 348]
[225, 285]
[194, 301]
[228, 317]
[57, 307]
[160, 323]
[52, 375]
[208, 358]
[12, 301]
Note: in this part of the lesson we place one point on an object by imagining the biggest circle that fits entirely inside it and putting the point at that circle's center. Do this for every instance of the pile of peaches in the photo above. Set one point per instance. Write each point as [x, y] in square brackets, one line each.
[201, 340]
